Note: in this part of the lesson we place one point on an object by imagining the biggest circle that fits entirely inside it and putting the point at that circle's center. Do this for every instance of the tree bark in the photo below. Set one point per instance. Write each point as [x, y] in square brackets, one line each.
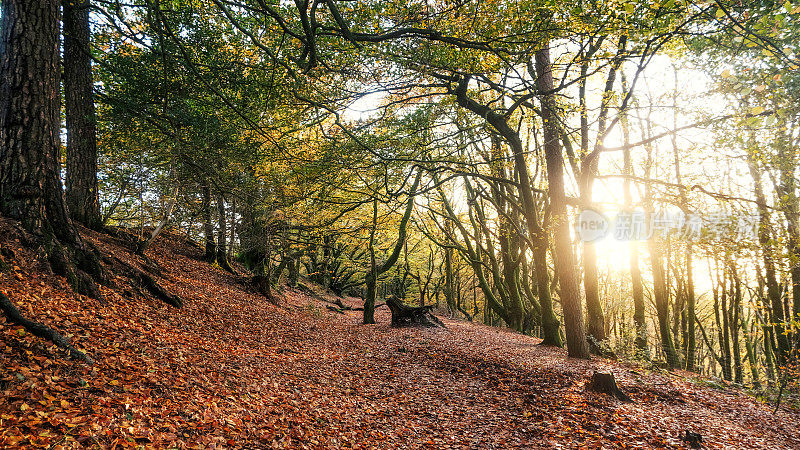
[30, 183]
[372, 276]
[222, 236]
[564, 257]
[691, 344]
[81, 161]
[661, 295]
[208, 226]
[30, 186]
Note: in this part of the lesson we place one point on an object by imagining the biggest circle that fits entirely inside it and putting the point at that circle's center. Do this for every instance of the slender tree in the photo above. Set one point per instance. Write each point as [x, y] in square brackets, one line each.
[577, 346]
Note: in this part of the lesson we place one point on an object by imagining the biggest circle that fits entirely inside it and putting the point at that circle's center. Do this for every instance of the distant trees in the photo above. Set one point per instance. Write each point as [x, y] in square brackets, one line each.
[235, 123]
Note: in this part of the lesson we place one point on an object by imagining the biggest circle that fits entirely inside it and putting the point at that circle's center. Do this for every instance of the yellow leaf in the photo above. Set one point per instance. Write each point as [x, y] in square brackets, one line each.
[756, 110]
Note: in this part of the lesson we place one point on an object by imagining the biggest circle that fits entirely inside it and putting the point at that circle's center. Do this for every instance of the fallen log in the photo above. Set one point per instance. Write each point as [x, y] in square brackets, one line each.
[412, 316]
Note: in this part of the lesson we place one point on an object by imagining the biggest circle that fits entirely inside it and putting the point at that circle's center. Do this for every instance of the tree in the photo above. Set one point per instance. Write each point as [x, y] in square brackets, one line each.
[565, 258]
[376, 270]
[30, 185]
[81, 162]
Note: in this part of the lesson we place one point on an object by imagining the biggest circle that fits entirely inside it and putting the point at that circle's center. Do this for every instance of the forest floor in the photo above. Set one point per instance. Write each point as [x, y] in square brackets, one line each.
[230, 369]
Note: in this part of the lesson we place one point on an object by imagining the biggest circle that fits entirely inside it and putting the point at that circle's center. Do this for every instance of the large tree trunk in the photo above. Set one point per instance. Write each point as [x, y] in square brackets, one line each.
[81, 173]
[564, 256]
[596, 320]
[30, 185]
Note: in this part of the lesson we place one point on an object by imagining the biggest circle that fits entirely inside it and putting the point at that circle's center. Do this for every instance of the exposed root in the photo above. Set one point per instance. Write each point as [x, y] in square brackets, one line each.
[76, 265]
[159, 292]
[41, 330]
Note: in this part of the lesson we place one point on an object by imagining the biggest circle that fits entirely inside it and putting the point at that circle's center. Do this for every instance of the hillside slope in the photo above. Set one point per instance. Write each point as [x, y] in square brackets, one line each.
[230, 369]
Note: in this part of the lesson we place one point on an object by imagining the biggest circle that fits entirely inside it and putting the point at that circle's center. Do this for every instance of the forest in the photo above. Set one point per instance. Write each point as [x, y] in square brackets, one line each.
[346, 201]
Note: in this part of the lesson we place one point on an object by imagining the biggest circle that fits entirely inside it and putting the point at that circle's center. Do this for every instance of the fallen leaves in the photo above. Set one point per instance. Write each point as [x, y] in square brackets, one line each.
[232, 370]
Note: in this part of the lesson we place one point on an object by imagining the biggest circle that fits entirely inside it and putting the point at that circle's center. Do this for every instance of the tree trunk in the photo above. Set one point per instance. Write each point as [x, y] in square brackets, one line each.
[596, 322]
[232, 237]
[208, 225]
[145, 244]
[564, 257]
[377, 271]
[691, 344]
[595, 319]
[81, 173]
[606, 383]
[735, 323]
[726, 334]
[777, 316]
[222, 236]
[536, 233]
[448, 276]
[372, 276]
[30, 182]
[689, 286]
[30, 185]
[661, 296]
[719, 292]
[550, 325]
[637, 287]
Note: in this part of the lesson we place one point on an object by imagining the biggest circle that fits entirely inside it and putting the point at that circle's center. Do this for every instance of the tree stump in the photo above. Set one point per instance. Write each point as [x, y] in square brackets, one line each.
[694, 440]
[412, 316]
[605, 383]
